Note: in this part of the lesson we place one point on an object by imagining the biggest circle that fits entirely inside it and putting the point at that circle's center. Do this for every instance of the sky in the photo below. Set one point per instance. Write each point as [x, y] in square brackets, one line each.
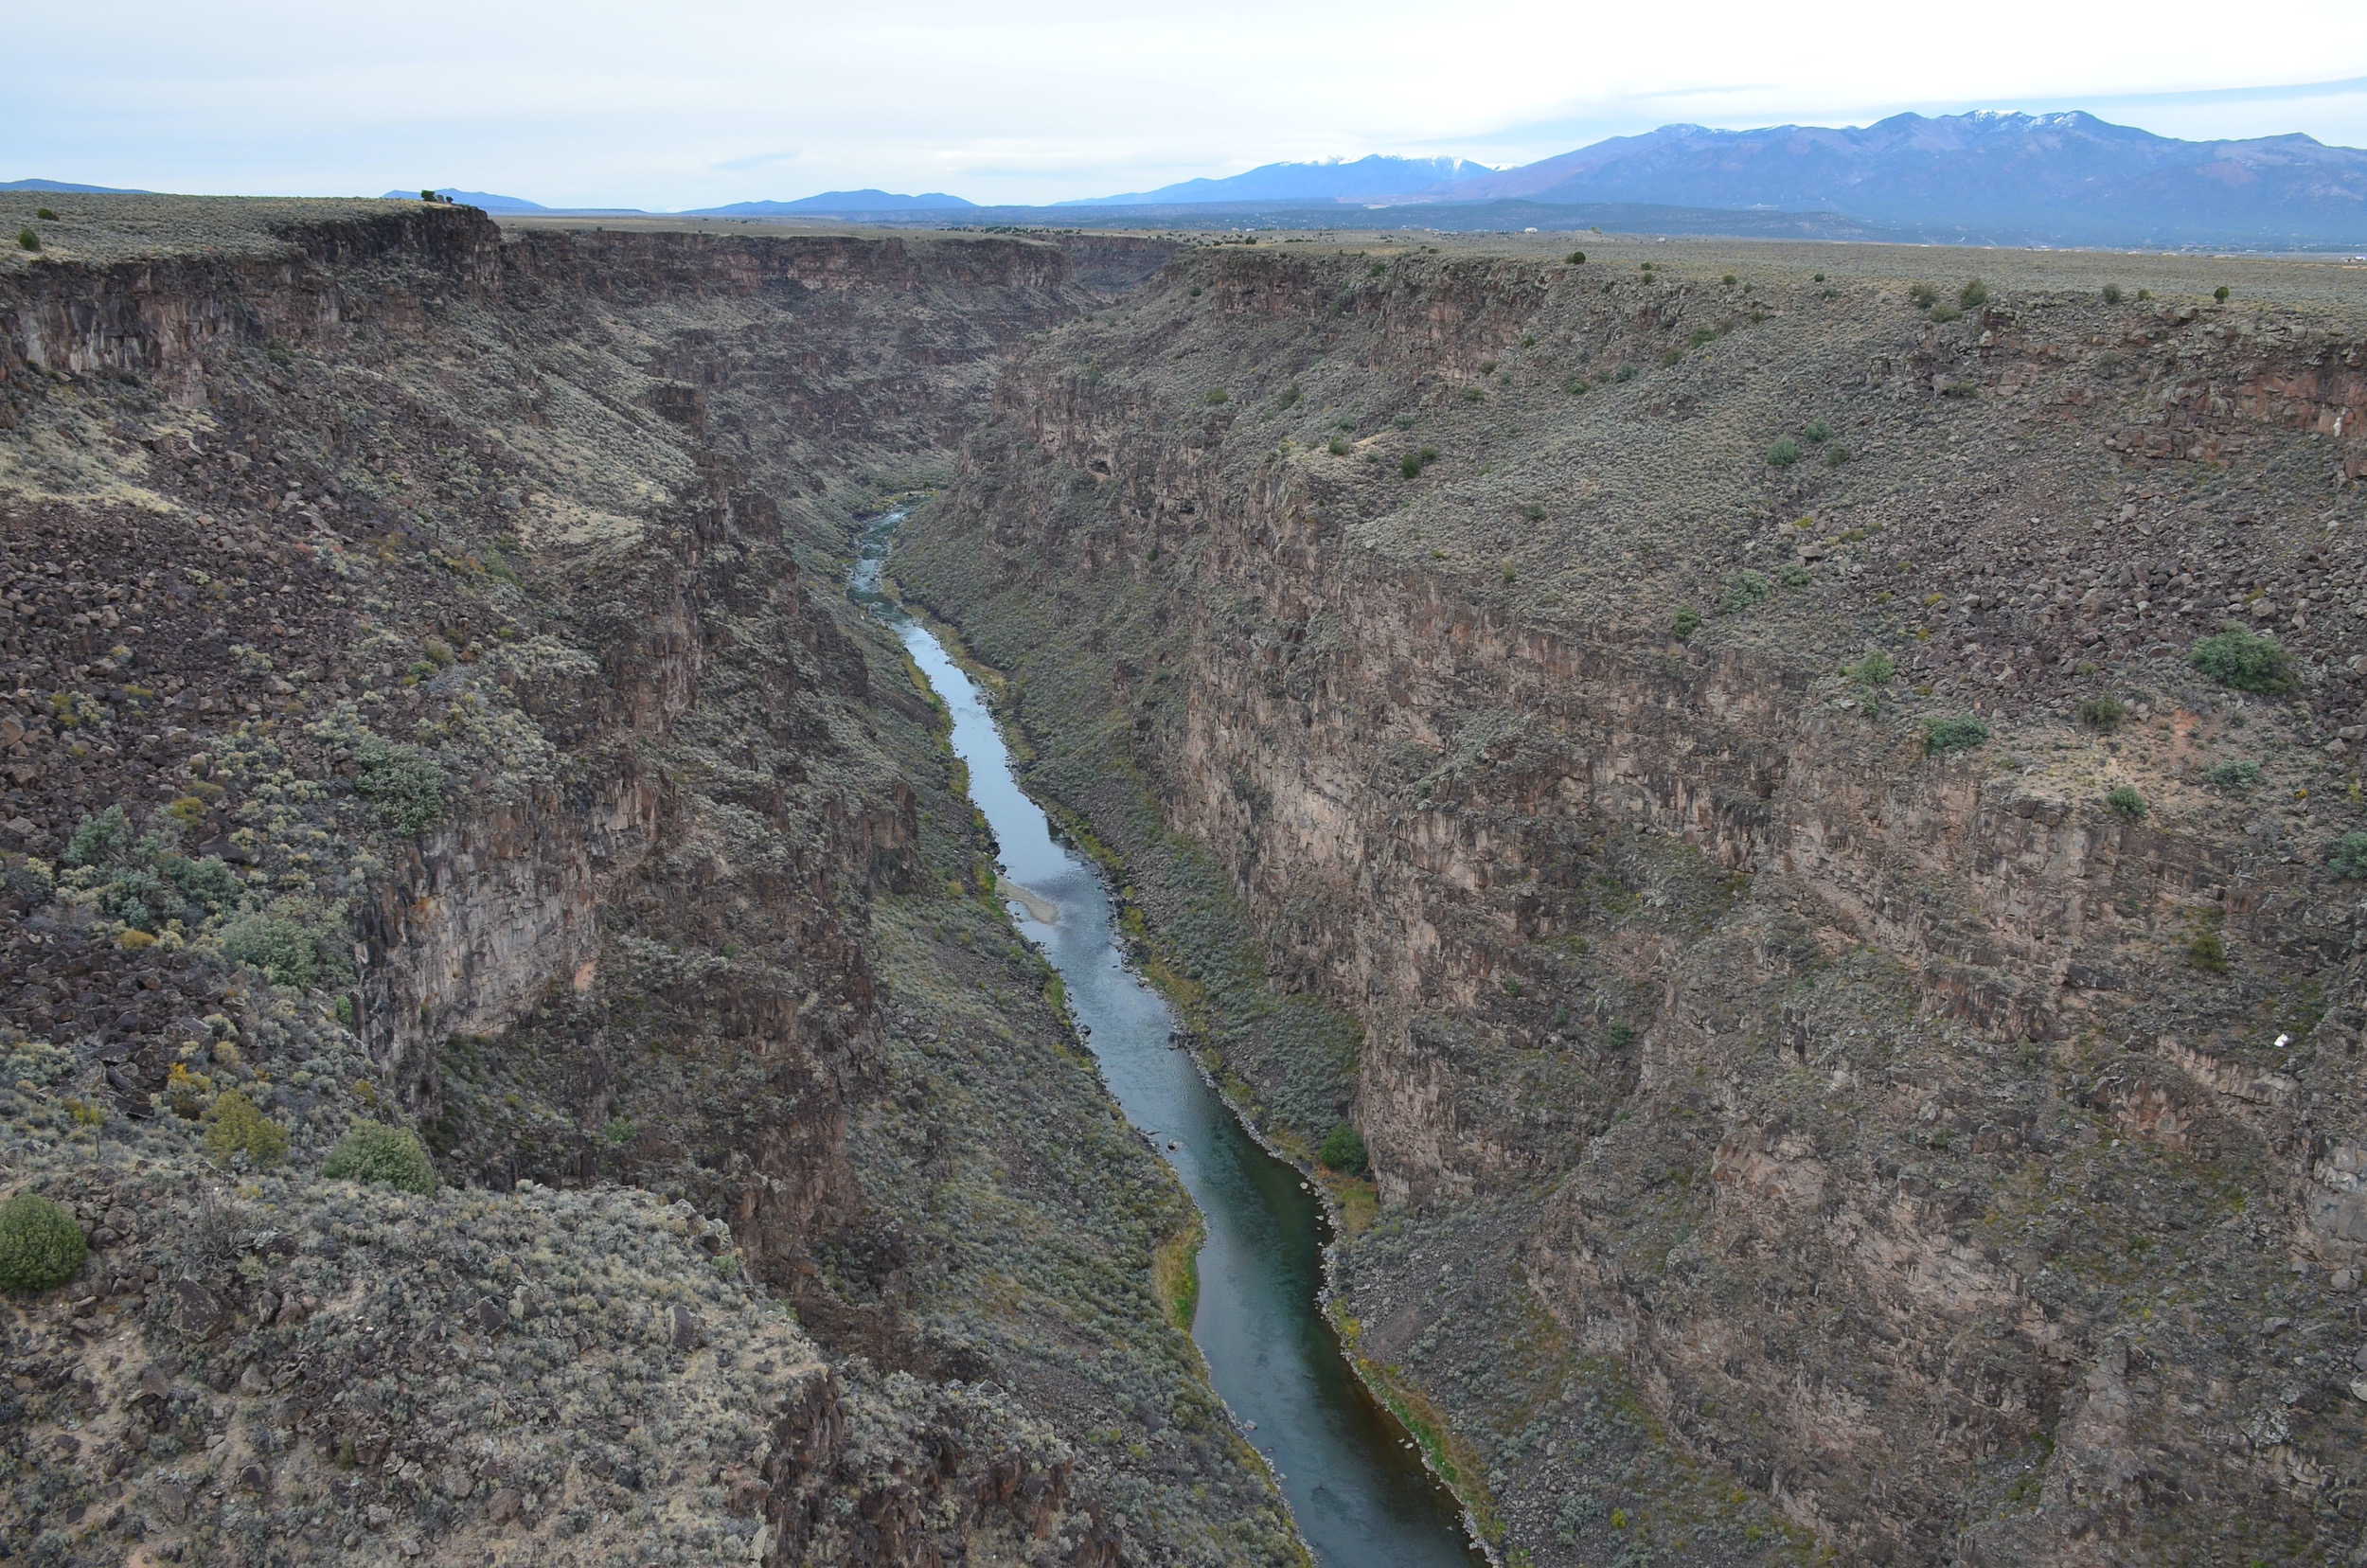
[698, 102]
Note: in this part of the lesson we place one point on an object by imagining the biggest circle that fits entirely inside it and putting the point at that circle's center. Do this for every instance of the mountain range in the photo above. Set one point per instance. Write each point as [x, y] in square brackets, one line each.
[67, 188]
[1985, 177]
[838, 201]
[1331, 178]
[2070, 177]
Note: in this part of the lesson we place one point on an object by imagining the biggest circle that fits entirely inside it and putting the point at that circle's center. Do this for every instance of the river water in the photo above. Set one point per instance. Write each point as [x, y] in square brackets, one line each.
[1360, 1491]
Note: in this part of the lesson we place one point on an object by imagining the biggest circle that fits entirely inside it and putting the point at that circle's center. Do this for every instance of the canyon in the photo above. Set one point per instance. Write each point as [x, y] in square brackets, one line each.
[1701, 759]
[1782, 1120]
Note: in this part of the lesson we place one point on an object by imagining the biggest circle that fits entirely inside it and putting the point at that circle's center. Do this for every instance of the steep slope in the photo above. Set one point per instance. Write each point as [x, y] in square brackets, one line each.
[431, 700]
[1857, 1032]
[2068, 177]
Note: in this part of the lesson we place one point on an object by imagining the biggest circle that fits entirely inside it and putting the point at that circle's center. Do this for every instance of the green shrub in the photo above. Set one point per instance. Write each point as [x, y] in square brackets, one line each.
[1871, 674]
[1922, 295]
[138, 897]
[2102, 713]
[2242, 658]
[279, 946]
[1945, 314]
[209, 881]
[1835, 454]
[1575, 386]
[388, 1156]
[406, 782]
[1816, 433]
[2348, 858]
[1743, 591]
[27, 238]
[1575, 259]
[1973, 295]
[1343, 1151]
[2219, 294]
[1686, 622]
[2124, 799]
[1794, 576]
[2207, 950]
[2237, 777]
[1875, 670]
[99, 839]
[2112, 293]
[1216, 394]
[1959, 733]
[1410, 465]
[47, 215]
[1783, 452]
[41, 1246]
[236, 1126]
[1338, 447]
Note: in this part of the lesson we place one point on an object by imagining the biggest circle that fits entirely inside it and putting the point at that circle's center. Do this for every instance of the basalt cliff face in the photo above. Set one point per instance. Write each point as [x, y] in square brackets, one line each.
[429, 700]
[1857, 1019]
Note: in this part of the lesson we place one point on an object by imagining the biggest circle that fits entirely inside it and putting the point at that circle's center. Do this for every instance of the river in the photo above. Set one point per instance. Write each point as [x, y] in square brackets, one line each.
[1360, 1491]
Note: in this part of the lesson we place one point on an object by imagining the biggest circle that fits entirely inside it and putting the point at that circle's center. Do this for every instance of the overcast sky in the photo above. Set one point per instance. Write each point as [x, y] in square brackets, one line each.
[696, 102]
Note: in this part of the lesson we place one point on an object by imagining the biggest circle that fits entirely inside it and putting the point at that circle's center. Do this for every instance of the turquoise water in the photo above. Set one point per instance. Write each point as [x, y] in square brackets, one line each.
[1360, 1493]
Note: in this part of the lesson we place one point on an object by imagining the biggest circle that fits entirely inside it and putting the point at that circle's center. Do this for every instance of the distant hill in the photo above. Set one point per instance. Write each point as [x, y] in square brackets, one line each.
[68, 187]
[1329, 180]
[831, 202]
[1302, 216]
[486, 200]
[2064, 178]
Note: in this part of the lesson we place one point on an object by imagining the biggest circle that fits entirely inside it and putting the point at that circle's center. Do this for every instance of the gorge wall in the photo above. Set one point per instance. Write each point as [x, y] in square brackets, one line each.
[1858, 1032]
[429, 699]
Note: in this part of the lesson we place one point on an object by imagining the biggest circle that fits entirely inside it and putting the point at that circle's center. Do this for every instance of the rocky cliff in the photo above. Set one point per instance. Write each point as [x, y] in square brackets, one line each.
[1743, 790]
[429, 700]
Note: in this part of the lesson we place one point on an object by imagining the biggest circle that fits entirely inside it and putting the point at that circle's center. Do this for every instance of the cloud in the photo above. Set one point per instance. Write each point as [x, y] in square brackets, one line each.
[2346, 87]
